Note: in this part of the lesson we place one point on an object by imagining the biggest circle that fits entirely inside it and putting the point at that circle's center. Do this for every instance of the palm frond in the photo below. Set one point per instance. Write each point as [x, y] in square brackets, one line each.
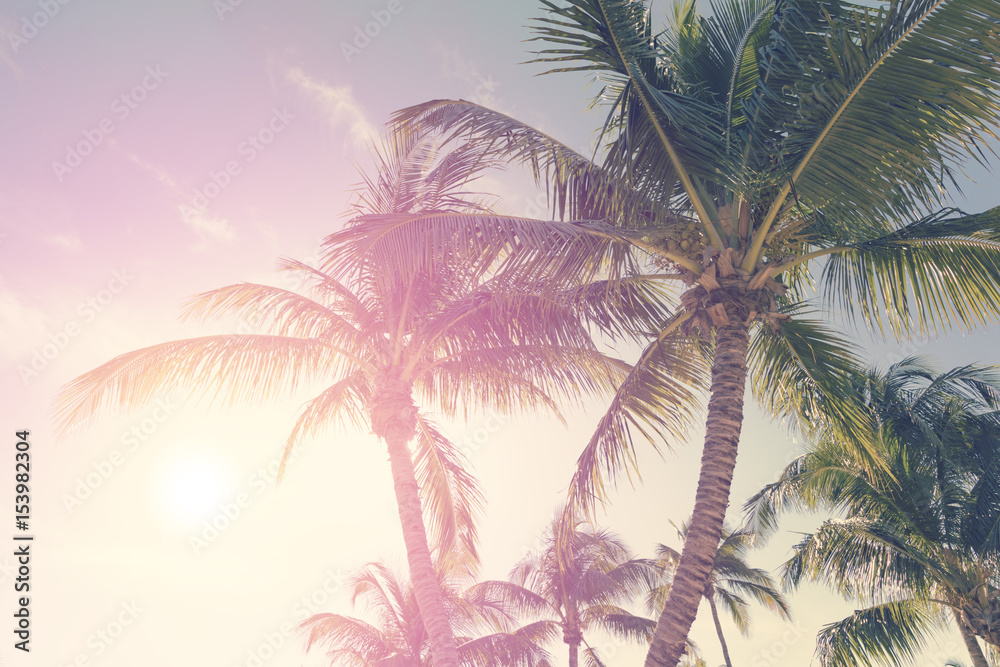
[230, 368]
[656, 116]
[531, 251]
[450, 496]
[621, 624]
[516, 600]
[512, 378]
[861, 558]
[414, 172]
[346, 637]
[923, 67]
[884, 635]
[345, 400]
[940, 271]
[656, 401]
[803, 370]
[514, 649]
[577, 188]
[284, 313]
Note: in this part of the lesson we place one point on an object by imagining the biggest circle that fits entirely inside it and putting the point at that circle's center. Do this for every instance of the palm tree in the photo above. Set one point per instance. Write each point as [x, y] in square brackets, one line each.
[399, 638]
[742, 151]
[379, 334]
[918, 543]
[588, 595]
[731, 580]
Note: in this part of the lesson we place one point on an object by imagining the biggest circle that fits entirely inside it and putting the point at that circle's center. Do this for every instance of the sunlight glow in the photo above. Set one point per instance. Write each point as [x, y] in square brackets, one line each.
[192, 485]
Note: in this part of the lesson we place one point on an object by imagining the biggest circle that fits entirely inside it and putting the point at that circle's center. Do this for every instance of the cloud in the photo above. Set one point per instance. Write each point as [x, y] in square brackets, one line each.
[206, 226]
[338, 105]
[197, 219]
[69, 242]
[158, 172]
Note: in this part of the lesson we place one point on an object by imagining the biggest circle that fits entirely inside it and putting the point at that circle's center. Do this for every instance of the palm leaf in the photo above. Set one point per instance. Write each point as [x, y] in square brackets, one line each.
[285, 313]
[802, 369]
[925, 70]
[615, 38]
[345, 638]
[657, 401]
[532, 251]
[620, 623]
[347, 398]
[889, 634]
[522, 648]
[233, 368]
[862, 558]
[451, 497]
[513, 378]
[577, 188]
[939, 271]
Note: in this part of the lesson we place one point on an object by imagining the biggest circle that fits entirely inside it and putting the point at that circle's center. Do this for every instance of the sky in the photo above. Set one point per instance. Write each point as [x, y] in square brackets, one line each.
[153, 151]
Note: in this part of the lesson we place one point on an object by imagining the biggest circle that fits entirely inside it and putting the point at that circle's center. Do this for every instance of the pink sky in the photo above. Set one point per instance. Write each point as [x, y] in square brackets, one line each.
[262, 108]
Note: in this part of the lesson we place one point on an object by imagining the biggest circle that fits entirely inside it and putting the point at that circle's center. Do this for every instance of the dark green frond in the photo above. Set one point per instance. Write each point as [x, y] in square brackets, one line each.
[882, 636]
[928, 70]
[803, 370]
[939, 272]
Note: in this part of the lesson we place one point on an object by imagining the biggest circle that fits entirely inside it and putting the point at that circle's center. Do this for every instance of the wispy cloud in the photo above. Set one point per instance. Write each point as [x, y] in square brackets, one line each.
[157, 171]
[207, 227]
[69, 242]
[338, 105]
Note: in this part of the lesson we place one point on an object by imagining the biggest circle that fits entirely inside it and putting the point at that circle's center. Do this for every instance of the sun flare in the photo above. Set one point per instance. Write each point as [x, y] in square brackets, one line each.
[192, 486]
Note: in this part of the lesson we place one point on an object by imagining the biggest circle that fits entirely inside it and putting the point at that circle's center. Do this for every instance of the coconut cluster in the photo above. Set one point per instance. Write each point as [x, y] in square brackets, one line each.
[684, 238]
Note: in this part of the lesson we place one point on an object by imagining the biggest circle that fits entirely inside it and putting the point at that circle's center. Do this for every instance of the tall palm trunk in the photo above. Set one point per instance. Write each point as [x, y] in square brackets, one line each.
[573, 637]
[718, 460]
[394, 419]
[975, 651]
[718, 630]
[574, 654]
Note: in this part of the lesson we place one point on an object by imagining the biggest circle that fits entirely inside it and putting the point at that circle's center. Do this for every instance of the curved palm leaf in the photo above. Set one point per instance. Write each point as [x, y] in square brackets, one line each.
[889, 634]
[232, 367]
[657, 401]
[454, 500]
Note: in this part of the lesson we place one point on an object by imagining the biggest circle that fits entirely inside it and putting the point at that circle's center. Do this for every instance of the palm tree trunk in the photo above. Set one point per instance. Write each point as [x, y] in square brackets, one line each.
[718, 631]
[722, 435]
[572, 634]
[574, 654]
[393, 415]
[418, 556]
[975, 651]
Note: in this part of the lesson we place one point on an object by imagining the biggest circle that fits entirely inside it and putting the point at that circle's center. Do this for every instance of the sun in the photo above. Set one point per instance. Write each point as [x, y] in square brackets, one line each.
[192, 485]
